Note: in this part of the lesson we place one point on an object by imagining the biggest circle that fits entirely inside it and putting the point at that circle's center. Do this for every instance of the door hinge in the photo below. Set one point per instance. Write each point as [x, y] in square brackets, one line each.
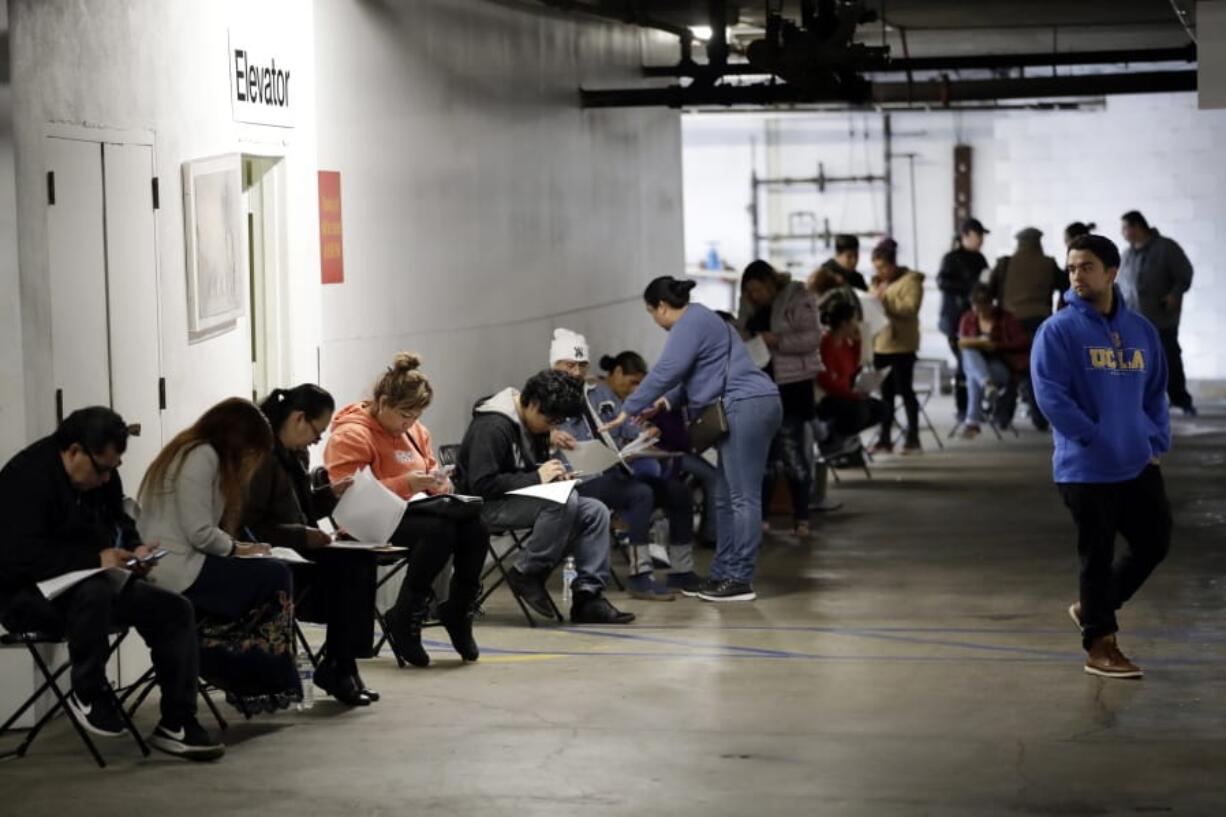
[162, 393]
[157, 201]
[50, 187]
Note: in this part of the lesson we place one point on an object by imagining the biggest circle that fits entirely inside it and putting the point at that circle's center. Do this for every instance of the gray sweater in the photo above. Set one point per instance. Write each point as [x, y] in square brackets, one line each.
[1148, 275]
[183, 515]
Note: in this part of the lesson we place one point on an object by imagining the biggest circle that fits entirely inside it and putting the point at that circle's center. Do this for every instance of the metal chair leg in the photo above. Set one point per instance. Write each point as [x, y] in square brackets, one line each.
[62, 704]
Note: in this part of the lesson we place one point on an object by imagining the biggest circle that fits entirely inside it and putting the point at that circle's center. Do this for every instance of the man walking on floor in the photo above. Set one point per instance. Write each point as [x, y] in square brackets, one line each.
[1154, 276]
[1100, 377]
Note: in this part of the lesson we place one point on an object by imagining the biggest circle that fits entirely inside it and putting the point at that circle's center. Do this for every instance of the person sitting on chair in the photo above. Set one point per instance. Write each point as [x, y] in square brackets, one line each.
[62, 502]
[386, 434]
[632, 495]
[994, 351]
[192, 498]
[337, 588]
[506, 448]
[847, 409]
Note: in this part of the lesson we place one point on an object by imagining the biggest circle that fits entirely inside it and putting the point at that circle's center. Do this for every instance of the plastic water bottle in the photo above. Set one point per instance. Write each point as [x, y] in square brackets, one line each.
[306, 674]
[568, 577]
[713, 260]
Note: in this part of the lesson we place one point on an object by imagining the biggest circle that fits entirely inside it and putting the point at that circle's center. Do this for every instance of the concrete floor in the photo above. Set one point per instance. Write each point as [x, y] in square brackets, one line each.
[914, 658]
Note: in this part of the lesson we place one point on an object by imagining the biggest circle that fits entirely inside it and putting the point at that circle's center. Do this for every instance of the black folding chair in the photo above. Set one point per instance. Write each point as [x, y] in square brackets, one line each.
[144, 685]
[500, 561]
[31, 641]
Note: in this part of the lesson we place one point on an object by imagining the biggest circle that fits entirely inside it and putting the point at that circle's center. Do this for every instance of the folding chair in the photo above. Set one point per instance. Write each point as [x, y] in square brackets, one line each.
[144, 685]
[31, 641]
[517, 537]
[923, 394]
[989, 406]
[852, 453]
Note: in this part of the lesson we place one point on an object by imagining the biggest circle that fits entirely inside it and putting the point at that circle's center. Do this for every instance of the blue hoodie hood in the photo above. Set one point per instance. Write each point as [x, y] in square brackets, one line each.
[1101, 380]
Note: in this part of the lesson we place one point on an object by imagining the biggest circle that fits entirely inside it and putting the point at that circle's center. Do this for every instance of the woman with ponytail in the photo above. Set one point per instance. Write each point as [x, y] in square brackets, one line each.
[705, 360]
[282, 508]
[192, 498]
[385, 434]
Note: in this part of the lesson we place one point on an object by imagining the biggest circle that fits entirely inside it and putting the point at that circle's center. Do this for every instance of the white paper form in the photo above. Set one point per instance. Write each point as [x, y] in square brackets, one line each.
[869, 381]
[592, 457]
[759, 353]
[55, 586]
[558, 492]
[369, 511]
[281, 554]
[639, 445]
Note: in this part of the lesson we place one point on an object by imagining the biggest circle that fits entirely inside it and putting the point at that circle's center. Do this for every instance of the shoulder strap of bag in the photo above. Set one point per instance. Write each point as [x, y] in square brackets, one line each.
[728, 360]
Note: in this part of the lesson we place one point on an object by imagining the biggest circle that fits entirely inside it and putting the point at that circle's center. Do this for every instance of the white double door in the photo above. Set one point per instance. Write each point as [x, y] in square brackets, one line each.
[105, 321]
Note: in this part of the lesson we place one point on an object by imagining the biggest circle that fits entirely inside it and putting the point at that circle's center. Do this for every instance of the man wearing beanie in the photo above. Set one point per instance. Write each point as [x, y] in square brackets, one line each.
[1100, 377]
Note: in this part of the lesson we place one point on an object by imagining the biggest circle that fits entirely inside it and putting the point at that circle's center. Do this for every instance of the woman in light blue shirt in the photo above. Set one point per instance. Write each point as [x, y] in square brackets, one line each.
[703, 361]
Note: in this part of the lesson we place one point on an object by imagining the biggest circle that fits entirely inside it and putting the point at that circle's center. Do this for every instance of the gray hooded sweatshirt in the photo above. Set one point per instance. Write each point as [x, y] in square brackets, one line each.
[498, 453]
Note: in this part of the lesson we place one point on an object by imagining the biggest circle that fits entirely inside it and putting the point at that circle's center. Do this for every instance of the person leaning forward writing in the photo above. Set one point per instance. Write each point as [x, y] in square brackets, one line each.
[1100, 377]
[62, 502]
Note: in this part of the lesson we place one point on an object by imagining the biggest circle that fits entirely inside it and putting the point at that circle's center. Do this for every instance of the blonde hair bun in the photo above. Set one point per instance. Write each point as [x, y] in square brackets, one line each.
[406, 362]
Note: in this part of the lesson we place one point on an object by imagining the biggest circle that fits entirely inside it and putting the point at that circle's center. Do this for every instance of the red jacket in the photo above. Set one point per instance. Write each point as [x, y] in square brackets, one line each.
[1012, 342]
[840, 362]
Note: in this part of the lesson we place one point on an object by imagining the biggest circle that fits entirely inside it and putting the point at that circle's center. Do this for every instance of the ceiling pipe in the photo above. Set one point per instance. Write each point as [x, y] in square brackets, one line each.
[623, 11]
[943, 93]
[982, 61]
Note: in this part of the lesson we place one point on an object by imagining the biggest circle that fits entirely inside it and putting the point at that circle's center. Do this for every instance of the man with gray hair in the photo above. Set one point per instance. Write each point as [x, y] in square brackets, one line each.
[1154, 275]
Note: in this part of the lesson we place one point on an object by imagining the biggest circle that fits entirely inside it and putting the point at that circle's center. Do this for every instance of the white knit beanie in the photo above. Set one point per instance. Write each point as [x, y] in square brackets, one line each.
[568, 345]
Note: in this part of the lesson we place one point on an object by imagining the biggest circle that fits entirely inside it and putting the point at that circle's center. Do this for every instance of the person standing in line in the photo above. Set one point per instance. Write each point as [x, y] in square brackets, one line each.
[1100, 376]
[783, 313]
[901, 293]
[705, 360]
[1076, 230]
[1023, 284]
[846, 259]
[1154, 275]
[960, 270]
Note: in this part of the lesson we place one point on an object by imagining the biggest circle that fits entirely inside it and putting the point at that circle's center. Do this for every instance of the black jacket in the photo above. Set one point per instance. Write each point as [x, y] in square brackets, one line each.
[960, 270]
[851, 276]
[50, 527]
[497, 455]
[281, 504]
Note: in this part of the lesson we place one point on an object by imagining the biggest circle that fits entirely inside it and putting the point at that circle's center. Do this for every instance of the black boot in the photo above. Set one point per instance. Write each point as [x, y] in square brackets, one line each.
[456, 616]
[405, 621]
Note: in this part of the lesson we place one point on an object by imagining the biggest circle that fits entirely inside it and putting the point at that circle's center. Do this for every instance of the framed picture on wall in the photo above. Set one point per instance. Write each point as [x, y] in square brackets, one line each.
[216, 243]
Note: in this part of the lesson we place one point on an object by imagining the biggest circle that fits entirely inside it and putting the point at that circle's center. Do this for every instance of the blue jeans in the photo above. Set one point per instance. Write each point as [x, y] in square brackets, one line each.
[634, 499]
[980, 371]
[752, 424]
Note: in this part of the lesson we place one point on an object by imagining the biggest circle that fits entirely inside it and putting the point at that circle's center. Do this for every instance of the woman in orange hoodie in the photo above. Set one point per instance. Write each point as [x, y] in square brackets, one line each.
[386, 435]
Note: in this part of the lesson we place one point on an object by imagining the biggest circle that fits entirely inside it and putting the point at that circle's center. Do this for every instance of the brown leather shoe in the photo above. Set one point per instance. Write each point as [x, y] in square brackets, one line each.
[1106, 661]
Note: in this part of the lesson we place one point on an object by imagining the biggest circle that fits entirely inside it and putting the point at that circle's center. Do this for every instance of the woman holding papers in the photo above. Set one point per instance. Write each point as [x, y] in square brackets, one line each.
[338, 587]
[385, 435]
[782, 314]
[704, 360]
[844, 404]
[193, 506]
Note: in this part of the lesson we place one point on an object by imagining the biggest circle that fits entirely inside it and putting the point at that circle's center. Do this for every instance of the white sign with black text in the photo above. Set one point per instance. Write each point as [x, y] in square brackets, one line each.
[262, 85]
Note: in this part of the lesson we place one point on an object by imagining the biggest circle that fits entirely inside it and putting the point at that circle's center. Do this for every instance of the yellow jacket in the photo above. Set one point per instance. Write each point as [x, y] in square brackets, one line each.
[902, 300]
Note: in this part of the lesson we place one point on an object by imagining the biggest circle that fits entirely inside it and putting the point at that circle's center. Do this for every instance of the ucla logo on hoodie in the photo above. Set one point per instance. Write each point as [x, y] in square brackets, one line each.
[1118, 360]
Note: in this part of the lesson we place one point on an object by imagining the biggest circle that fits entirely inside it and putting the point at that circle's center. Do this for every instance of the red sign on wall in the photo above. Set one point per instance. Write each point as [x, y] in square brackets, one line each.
[331, 249]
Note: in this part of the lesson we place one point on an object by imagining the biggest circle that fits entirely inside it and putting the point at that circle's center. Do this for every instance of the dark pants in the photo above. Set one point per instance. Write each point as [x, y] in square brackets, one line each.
[901, 383]
[848, 416]
[338, 590]
[230, 588]
[432, 541]
[1138, 510]
[789, 454]
[1176, 382]
[960, 396]
[635, 498]
[88, 612]
[1025, 385]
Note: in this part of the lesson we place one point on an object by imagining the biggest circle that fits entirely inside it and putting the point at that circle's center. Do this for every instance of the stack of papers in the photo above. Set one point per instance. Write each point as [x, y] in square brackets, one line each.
[592, 457]
[558, 492]
[639, 445]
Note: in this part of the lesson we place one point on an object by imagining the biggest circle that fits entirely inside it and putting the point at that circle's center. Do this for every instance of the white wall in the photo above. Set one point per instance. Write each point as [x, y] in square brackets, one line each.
[1155, 153]
[158, 66]
[482, 206]
[12, 383]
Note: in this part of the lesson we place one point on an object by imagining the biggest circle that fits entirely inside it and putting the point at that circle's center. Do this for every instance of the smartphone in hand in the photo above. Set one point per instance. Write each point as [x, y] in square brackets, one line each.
[152, 558]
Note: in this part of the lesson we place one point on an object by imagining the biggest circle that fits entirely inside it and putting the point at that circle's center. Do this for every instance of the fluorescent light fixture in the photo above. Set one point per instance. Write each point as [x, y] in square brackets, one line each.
[701, 32]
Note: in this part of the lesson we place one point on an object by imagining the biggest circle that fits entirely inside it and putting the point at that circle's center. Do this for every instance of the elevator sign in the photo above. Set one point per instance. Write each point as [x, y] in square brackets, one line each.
[263, 89]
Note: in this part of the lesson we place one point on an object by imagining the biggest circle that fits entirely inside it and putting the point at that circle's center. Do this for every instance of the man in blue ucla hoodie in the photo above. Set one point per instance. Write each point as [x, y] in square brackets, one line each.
[1100, 377]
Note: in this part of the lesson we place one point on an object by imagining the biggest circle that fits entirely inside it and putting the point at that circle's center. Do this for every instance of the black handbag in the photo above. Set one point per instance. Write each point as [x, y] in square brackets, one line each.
[711, 424]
